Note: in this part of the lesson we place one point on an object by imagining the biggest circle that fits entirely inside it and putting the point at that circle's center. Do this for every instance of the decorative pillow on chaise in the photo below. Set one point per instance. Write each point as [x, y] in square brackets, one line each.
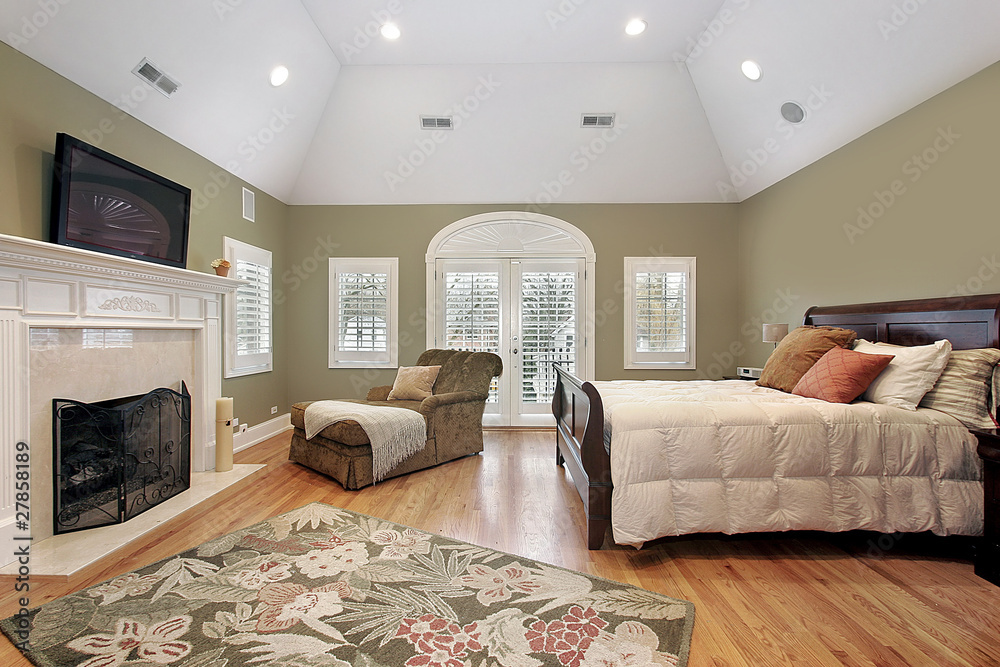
[798, 351]
[910, 375]
[841, 375]
[963, 390]
[413, 383]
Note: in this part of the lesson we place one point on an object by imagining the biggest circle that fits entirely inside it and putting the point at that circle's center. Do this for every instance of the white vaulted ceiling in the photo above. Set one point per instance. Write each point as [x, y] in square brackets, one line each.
[516, 76]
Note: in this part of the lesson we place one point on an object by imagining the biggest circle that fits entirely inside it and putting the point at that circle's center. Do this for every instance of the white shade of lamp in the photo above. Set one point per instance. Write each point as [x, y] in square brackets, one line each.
[773, 333]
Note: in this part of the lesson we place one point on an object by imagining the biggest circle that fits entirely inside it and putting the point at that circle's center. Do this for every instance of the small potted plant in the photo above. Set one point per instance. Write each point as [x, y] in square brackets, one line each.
[221, 266]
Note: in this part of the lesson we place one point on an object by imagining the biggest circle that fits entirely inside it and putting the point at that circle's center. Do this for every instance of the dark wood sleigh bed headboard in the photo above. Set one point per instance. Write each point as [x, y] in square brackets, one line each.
[969, 322]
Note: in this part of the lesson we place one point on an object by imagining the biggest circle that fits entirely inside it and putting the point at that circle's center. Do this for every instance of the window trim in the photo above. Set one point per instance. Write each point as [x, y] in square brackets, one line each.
[664, 360]
[389, 265]
[233, 250]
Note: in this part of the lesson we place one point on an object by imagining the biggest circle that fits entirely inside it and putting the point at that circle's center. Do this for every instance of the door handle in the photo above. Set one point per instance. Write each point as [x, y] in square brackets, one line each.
[514, 351]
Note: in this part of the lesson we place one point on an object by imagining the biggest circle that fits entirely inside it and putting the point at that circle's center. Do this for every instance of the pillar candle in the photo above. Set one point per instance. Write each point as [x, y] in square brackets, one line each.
[223, 434]
[224, 408]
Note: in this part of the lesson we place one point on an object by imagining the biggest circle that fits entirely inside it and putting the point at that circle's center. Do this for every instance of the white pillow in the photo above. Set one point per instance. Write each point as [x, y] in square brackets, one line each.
[911, 373]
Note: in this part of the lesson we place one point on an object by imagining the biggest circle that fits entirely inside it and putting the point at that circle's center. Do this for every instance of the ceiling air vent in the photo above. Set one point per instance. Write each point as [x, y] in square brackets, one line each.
[436, 123]
[155, 77]
[598, 120]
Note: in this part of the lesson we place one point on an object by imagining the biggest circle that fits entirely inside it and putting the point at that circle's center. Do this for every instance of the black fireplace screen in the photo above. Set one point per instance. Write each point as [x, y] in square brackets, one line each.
[115, 459]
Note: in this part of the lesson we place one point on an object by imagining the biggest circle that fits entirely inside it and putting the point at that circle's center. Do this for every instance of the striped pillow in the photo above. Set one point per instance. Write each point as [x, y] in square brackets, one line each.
[966, 389]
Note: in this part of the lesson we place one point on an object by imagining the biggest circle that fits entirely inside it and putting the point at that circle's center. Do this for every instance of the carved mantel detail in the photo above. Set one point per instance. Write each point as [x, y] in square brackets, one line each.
[131, 304]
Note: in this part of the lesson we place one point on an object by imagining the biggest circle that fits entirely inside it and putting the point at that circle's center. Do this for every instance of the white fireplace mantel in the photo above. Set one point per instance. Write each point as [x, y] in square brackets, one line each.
[48, 285]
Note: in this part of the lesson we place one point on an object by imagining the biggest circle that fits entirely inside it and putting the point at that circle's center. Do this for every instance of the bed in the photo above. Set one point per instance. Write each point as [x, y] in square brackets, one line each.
[882, 488]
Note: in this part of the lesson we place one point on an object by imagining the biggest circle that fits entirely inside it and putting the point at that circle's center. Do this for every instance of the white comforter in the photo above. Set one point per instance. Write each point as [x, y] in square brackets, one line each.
[732, 457]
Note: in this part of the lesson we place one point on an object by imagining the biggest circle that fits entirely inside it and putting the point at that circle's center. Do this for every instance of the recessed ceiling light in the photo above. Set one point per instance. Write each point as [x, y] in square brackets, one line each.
[635, 26]
[279, 75]
[751, 70]
[390, 31]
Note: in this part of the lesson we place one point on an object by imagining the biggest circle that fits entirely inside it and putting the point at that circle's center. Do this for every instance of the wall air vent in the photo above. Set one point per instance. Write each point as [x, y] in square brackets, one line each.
[155, 77]
[436, 123]
[597, 120]
[248, 205]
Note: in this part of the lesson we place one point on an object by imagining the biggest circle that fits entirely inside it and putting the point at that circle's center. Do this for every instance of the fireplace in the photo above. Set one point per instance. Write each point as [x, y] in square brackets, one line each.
[115, 459]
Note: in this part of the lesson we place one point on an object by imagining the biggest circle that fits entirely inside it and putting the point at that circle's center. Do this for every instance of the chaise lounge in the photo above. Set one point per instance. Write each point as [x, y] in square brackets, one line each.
[453, 414]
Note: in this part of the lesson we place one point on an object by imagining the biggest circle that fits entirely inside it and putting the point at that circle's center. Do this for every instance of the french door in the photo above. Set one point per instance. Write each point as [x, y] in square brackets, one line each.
[528, 312]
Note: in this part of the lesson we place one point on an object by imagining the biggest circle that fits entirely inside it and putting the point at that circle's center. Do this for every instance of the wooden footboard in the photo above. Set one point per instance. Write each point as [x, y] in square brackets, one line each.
[580, 447]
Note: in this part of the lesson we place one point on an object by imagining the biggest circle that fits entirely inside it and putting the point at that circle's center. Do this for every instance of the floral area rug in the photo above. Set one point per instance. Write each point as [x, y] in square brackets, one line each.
[322, 586]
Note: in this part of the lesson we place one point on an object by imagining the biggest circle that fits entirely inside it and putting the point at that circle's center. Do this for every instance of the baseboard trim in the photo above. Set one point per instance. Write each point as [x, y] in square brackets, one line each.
[261, 432]
[252, 436]
[548, 429]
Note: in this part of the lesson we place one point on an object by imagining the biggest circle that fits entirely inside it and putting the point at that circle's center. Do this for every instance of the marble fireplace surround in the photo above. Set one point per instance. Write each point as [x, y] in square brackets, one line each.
[57, 292]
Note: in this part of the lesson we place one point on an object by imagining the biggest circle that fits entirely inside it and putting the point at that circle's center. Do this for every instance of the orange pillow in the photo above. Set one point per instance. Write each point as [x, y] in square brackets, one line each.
[798, 351]
[841, 375]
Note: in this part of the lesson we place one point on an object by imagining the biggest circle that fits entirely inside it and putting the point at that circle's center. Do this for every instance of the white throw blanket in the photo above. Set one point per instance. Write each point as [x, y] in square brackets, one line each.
[395, 433]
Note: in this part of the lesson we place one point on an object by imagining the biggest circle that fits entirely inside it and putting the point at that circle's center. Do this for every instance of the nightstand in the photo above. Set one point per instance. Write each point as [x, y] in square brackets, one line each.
[988, 553]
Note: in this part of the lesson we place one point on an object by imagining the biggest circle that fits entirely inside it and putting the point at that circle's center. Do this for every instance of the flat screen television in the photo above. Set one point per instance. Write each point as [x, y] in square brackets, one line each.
[104, 203]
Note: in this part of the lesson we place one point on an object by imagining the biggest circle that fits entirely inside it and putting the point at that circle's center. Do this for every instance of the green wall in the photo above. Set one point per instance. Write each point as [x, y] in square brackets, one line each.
[905, 211]
[908, 210]
[707, 231]
[36, 103]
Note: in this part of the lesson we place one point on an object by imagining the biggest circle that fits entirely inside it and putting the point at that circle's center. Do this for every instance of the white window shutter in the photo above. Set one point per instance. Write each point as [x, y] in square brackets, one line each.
[363, 328]
[248, 340]
[659, 312]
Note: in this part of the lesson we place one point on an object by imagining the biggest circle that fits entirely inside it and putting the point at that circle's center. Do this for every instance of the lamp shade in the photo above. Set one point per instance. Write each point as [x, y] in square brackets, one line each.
[773, 333]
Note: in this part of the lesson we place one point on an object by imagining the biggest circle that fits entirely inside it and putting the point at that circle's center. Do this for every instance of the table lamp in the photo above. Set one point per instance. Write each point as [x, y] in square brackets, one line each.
[773, 333]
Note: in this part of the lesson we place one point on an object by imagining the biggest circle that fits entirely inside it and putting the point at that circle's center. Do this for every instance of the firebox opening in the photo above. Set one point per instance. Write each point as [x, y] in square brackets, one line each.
[117, 458]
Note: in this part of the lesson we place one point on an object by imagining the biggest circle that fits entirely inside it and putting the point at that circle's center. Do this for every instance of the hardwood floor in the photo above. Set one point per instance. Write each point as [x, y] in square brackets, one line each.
[783, 599]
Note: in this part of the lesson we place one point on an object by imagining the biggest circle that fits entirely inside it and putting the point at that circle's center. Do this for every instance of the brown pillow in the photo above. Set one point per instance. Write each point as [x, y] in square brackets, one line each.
[413, 383]
[841, 375]
[798, 351]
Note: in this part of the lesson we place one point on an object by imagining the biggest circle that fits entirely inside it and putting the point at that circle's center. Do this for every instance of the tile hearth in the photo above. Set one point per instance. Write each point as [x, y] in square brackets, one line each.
[64, 555]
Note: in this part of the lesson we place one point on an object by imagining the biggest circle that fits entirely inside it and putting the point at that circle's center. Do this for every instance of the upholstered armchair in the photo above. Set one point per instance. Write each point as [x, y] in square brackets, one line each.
[453, 414]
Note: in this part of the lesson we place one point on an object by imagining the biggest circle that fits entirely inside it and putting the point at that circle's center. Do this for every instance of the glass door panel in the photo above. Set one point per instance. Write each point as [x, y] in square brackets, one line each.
[549, 330]
[471, 312]
[526, 311]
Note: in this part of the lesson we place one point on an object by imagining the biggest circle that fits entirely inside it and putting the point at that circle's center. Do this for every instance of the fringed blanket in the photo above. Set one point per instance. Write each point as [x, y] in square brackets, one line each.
[395, 433]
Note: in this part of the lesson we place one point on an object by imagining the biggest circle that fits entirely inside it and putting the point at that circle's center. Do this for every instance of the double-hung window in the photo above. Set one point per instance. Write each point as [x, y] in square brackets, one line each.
[659, 312]
[363, 302]
[248, 317]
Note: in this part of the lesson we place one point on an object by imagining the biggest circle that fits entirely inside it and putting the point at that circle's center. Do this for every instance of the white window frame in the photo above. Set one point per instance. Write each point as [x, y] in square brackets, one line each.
[667, 360]
[353, 359]
[239, 365]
